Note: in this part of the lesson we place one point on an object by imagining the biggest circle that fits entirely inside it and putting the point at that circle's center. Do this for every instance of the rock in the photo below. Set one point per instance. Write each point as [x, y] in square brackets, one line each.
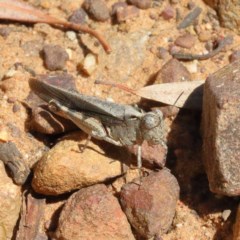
[235, 56]
[225, 214]
[152, 155]
[89, 64]
[43, 121]
[14, 160]
[126, 13]
[205, 36]
[221, 130]
[10, 202]
[64, 168]
[116, 6]
[33, 208]
[150, 207]
[143, 4]
[93, 213]
[236, 230]
[168, 13]
[79, 16]
[173, 71]
[55, 57]
[163, 53]
[186, 41]
[97, 9]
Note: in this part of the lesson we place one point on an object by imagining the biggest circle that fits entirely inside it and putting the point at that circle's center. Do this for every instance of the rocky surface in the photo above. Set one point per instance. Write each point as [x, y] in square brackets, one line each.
[142, 42]
[221, 132]
[93, 213]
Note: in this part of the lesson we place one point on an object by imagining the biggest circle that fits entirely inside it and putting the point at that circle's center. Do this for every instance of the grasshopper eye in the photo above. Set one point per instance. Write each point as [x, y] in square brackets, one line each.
[150, 120]
[53, 106]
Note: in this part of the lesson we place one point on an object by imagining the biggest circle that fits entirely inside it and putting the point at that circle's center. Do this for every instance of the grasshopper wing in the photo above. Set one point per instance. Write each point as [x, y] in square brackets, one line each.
[80, 102]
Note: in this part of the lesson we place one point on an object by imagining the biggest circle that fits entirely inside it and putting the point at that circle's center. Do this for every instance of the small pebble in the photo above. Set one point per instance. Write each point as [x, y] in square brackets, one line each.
[142, 4]
[192, 67]
[11, 100]
[116, 6]
[186, 41]
[5, 31]
[10, 73]
[163, 53]
[79, 16]
[191, 5]
[225, 214]
[89, 64]
[234, 56]
[71, 35]
[55, 57]
[204, 36]
[97, 9]
[15, 108]
[126, 13]
[168, 13]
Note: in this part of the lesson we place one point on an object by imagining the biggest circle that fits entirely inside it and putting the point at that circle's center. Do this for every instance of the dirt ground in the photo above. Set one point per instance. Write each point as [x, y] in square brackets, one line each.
[200, 214]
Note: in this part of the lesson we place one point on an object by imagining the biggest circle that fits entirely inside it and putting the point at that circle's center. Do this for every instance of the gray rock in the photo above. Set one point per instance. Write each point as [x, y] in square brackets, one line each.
[97, 9]
[221, 130]
[55, 57]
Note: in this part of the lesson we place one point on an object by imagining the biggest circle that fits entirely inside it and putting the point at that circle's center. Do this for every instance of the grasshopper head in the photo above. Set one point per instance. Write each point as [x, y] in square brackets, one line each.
[152, 127]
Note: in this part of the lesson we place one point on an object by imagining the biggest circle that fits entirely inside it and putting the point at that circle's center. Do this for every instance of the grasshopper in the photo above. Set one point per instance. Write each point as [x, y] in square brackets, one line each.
[121, 125]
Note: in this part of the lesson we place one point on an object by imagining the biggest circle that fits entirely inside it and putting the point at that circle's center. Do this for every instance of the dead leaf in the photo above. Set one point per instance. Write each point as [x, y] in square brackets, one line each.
[180, 94]
[20, 11]
[187, 94]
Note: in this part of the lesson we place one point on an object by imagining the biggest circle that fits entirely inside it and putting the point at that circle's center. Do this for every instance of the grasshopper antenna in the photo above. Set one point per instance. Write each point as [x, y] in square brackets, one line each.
[117, 85]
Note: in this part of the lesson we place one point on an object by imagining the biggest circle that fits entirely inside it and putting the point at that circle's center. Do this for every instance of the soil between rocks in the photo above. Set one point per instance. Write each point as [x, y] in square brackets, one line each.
[135, 62]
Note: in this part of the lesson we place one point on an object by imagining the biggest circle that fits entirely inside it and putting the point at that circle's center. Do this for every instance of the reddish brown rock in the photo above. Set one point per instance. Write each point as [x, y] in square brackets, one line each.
[143, 4]
[168, 13]
[97, 9]
[173, 71]
[55, 57]
[93, 213]
[150, 207]
[186, 41]
[79, 16]
[152, 155]
[235, 56]
[221, 130]
[125, 13]
[116, 6]
[43, 121]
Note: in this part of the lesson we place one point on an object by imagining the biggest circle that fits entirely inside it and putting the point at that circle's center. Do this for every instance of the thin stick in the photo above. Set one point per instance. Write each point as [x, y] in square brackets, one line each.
[117, 85]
